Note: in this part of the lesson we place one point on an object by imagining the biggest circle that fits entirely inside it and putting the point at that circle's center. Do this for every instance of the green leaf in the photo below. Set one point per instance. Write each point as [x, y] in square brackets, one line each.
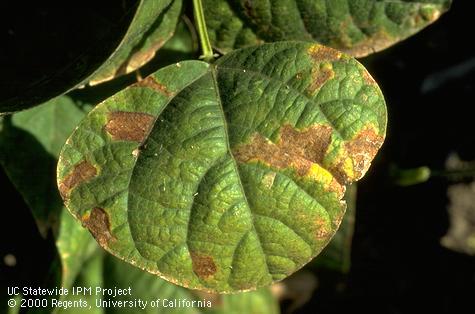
[91, 275]
[226, 177]
[337, 254]
[149, 288]
[260, 301]
[357, 27]
[75, 245]
[30, 142]
[146, 287]
[151, 25]
[182, 46]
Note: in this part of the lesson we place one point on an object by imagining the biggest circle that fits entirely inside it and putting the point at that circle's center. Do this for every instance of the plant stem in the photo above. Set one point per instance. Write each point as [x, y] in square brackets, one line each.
[202, 31]
[454, 173]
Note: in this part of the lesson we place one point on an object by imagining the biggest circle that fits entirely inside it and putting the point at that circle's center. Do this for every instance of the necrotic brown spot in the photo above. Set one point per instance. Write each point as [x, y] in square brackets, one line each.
[203, 265]
[152, 83]
[362, 149]
[129, 126]
[296, 149]
[340, 174]
[98, 224]
[82, 172]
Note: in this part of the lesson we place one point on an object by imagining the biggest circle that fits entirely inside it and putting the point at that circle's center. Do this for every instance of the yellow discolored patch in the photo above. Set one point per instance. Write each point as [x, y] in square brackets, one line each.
[343, 171]
[295, 149]
[203, 265]
[320, 76]
[322, 53]
[268, 180]
[136, 153]
[129, 126]
[152, 83]
[430, 13]
[82, 172]
[98, 224]
[319, 174]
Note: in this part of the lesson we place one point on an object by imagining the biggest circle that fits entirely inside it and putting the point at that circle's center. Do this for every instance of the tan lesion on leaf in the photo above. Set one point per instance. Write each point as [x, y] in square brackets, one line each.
[322, 53]
[363, 149]
[295, 149]
[301, 150]
[357, 155]
[141, 57]
[337, 187]
[136, 59]
[367, 78]
[82, 172]
[323, 230]
[97, 221]
[338, 218]
[203, 265]
[320, 75]
[129, 126]
[152, 83]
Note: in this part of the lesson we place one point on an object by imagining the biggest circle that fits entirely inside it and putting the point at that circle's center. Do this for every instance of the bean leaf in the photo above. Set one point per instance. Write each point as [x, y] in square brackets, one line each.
[226, 177]
[357, 27]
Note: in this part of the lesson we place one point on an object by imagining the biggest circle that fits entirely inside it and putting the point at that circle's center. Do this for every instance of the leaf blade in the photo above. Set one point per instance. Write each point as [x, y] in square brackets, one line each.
[358, 28]
[238, 180]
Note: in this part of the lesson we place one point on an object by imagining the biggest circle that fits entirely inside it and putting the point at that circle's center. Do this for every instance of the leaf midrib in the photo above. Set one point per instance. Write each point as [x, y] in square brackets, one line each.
[226, 132]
